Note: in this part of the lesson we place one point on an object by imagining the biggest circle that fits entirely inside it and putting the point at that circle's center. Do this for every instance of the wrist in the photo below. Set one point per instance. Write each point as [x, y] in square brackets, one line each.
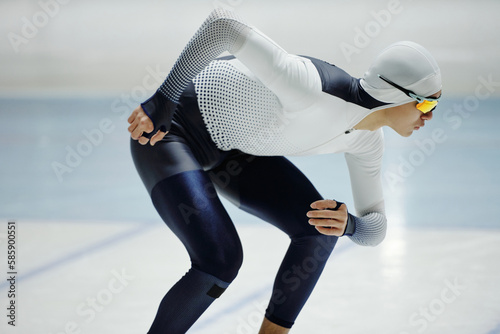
[160, 110]
[351, 225]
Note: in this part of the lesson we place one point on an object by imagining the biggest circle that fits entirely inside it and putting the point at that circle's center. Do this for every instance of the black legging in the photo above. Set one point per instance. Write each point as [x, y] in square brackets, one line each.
[184, 174]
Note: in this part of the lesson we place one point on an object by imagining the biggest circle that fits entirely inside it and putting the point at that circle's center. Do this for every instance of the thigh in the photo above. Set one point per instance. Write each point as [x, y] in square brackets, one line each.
[185, 198]
[191, 208]
[271, 188]
[166, 158]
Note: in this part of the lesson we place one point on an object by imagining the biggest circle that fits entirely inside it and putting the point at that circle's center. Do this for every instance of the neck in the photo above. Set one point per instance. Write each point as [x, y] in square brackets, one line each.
[373, 121]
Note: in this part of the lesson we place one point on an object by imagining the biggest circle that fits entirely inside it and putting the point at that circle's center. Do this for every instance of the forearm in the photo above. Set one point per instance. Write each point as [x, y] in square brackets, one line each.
[222, 31]
[364, 170]
[290, 77]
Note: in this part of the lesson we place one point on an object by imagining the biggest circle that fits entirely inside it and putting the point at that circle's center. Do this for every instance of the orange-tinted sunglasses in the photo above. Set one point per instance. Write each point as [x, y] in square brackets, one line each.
[425, 105]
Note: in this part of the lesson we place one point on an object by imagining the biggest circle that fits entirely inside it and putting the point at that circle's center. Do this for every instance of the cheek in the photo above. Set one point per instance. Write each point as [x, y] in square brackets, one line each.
[414, 114]
[409, 115]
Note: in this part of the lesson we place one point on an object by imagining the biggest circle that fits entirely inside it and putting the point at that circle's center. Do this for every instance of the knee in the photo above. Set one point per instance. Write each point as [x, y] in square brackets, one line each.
[224, 263]
[324, 244]
[231, 265]
[318, 246]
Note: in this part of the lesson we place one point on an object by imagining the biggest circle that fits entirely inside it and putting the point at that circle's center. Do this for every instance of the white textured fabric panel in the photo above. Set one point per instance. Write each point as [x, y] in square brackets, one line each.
[370, 229]
[240, 112]
[222, 31]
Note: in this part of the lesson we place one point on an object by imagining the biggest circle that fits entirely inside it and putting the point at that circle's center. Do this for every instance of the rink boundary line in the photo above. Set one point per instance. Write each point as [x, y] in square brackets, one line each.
[230, 309]
[495, 330]
[107, 242]
[245, 301]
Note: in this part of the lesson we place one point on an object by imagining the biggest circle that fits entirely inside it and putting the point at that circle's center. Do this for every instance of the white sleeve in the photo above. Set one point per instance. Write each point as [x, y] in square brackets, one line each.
[222, 31]
[293, 79]
[290, 77]
[366, 183]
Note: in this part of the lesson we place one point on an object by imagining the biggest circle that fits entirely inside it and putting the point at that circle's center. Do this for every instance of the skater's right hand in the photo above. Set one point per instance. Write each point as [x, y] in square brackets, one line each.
[140, 123]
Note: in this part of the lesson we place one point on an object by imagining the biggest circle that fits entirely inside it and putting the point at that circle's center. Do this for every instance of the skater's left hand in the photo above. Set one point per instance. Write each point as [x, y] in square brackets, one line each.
[328, 222]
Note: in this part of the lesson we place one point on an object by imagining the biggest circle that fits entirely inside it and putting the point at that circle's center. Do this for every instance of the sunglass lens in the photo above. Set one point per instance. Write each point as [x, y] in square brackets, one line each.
[427, 106]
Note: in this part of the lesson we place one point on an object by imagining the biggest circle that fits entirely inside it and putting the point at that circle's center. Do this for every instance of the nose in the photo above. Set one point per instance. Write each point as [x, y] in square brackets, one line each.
[427, 116]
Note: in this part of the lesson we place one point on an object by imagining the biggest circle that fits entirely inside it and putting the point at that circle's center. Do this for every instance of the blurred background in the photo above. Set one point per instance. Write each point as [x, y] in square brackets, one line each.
[72, 71]
[65, 67]
[103, 47]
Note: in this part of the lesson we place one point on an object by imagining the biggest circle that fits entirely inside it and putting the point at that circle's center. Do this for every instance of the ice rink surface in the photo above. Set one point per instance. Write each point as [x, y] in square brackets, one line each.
[93, 256]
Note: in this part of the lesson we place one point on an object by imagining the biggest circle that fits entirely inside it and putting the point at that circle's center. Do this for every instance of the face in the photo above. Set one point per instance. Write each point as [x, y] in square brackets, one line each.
[407, 118]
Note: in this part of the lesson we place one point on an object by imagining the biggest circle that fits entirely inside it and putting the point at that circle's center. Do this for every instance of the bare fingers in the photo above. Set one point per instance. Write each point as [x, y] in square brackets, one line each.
[329, 217]
[157, 137]
[139, 124]
[338, 232]
[324, 204]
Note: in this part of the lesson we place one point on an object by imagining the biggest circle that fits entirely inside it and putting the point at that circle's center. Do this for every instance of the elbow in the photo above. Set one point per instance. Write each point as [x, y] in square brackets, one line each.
[377, 240]
[374, 240]
[228, 24]
[370, 230]
[379, 236]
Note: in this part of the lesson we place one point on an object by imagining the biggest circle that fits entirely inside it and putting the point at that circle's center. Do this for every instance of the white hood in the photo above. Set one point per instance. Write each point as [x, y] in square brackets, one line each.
[407, 64]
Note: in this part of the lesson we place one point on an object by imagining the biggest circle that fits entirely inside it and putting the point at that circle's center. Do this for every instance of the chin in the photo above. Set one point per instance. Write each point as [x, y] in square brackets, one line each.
[405, 134]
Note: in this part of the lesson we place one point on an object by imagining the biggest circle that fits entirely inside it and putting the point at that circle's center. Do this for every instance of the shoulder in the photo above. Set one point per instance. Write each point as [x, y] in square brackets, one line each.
[337, 82]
